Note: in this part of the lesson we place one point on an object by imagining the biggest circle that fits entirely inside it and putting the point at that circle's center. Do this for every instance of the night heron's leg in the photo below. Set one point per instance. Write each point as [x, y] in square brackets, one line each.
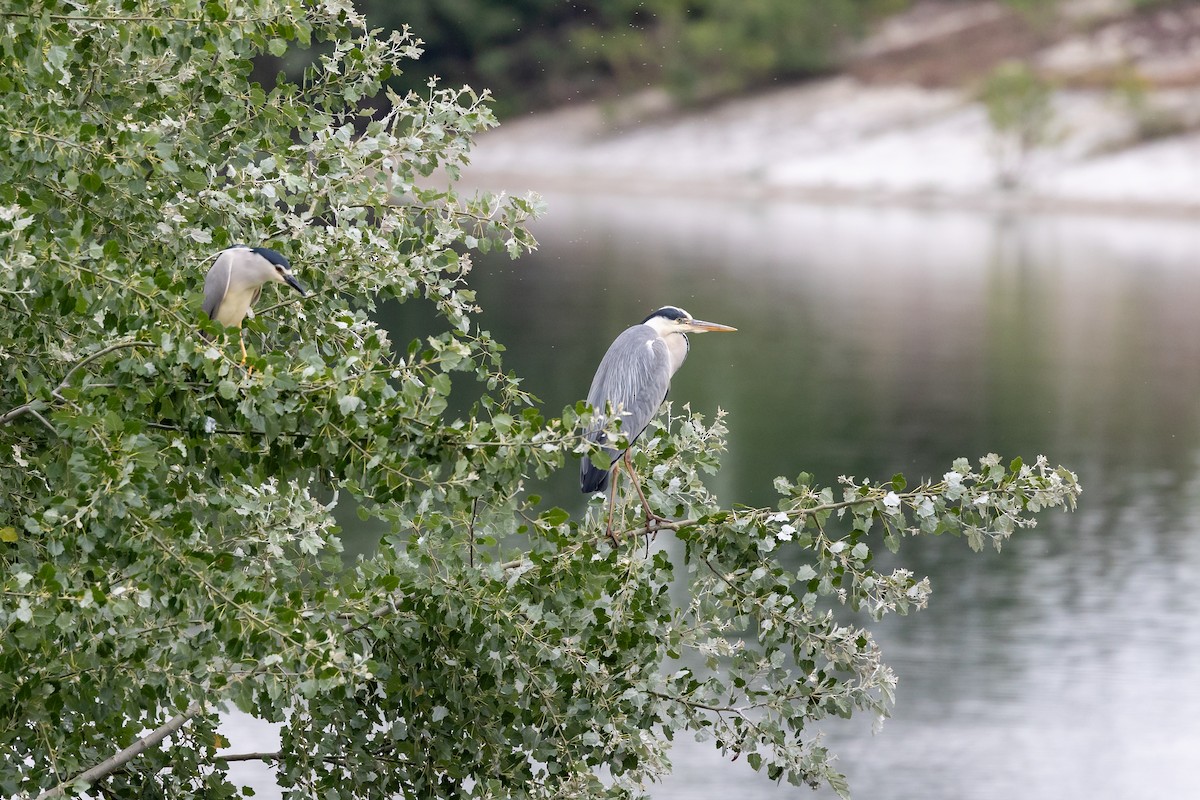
[242, 342]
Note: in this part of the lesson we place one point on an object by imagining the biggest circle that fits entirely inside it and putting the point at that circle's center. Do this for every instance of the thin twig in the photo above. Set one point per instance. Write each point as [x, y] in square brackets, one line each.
[43, 420]
[739, 710]
[83, 362]
[471, 532]
[278, 754]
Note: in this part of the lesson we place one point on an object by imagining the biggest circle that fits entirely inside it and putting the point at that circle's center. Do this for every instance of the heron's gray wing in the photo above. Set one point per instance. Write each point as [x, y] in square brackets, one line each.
[253, 299]
[216, 284]
[633, 378]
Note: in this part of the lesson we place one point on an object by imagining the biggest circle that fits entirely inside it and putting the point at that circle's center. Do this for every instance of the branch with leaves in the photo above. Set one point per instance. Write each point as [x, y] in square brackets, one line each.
[34, 407]
[172, 547]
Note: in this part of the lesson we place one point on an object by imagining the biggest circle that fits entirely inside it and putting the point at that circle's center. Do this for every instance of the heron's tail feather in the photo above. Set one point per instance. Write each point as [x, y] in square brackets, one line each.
[592, 478]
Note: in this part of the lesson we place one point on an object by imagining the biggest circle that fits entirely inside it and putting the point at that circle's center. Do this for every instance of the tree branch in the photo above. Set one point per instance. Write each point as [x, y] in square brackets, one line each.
[278, 754]
[11, 414]
[83, 362]
[123, 757]
[37, 415]
[35, 406]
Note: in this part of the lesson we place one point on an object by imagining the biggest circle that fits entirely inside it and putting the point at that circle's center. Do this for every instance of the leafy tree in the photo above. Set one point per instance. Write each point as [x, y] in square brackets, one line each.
[706, 49]
[1020, 108]
[167, 546]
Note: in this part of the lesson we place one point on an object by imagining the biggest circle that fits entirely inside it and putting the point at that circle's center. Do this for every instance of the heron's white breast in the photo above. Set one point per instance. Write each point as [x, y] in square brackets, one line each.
[236, 304]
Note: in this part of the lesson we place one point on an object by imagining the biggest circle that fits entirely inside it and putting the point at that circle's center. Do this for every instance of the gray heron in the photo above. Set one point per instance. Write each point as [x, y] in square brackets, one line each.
[235, 281]
[633, 380]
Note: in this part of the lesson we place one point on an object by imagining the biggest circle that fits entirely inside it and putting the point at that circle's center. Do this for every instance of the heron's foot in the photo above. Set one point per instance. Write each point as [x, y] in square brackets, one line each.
[242, 343]
[248, 367]
[654, 523]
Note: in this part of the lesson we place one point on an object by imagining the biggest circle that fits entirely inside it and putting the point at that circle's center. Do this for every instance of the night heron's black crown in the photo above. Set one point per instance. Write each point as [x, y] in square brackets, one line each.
[272, 256]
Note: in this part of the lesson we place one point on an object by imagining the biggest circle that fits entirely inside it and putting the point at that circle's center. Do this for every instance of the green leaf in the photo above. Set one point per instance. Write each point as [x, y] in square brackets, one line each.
[600, 459]
[899, 483]
[8, 534]
[194, 180]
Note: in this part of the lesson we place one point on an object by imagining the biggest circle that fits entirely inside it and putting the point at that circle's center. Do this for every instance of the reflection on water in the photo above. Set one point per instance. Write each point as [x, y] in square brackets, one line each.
[873, 341]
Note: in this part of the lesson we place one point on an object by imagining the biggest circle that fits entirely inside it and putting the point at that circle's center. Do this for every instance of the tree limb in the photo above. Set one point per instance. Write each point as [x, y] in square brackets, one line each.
[13, 413]
[123, 757]
[35, 406]
[83, 362]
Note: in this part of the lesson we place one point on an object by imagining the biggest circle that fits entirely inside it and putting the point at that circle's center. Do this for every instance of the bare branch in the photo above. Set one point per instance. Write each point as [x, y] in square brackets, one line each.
[13, 413]
[278, 754]
[123, 757]
[37, 415]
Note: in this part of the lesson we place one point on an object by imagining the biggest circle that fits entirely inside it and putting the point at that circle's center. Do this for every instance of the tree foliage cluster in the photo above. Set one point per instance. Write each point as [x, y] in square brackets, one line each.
[167, 542]
[1019, 106]
[535, 53]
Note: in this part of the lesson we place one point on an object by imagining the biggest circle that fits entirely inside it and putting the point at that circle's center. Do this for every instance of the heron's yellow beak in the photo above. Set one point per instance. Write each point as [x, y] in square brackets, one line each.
[700, 326]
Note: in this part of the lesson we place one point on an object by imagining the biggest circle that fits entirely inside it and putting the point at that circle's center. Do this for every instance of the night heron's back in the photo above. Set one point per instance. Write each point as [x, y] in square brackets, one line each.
[234, 283]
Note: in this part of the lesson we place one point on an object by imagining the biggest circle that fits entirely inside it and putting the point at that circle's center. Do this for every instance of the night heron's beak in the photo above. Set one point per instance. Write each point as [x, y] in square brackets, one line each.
[700, 326]
[291, 281]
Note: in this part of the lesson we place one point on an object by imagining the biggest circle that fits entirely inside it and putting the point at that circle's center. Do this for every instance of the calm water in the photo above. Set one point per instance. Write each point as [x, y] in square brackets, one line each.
[875, 341]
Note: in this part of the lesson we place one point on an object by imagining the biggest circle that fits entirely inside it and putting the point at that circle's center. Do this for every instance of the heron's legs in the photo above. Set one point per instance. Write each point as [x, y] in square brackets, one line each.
[612, 496]
[650, 515]
[242, 342]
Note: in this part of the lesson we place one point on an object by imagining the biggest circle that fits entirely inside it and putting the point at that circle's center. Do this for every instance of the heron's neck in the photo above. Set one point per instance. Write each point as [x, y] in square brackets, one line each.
[677, 347]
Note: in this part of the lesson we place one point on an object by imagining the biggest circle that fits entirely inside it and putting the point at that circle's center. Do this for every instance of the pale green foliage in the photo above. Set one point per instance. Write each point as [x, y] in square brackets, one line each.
[763, 653]
[705, 49]
[1151, 119]
[1020, 108]
[166, 545]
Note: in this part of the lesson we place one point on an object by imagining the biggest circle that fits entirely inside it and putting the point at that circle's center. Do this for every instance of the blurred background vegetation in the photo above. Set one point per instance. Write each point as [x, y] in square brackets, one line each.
[534, 54]
[538, 53]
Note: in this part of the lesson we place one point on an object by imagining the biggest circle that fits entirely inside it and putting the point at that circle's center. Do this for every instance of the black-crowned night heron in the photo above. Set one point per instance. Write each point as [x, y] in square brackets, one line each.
[235, 281]
[633, 379]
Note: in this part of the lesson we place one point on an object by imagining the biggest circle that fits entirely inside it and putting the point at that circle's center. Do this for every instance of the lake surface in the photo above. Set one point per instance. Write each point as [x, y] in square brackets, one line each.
[873, 341]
